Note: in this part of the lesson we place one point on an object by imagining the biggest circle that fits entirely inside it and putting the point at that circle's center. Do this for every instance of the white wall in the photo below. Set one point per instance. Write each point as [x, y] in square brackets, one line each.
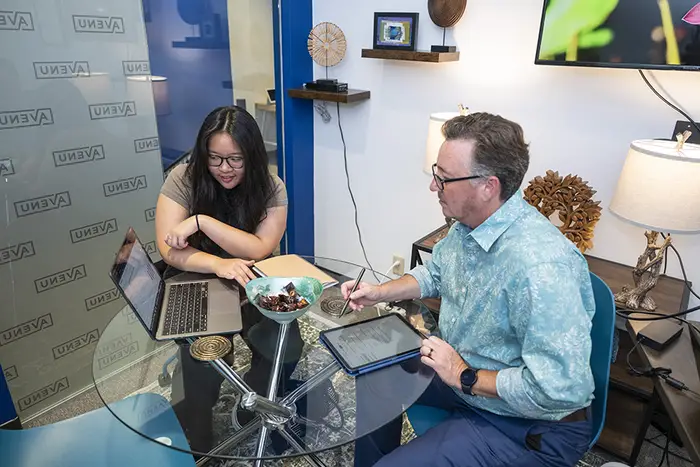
[252, 51]
[578, 121]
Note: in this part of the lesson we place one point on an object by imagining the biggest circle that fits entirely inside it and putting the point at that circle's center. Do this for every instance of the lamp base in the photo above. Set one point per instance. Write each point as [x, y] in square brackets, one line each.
[645, 275]
[443, 48]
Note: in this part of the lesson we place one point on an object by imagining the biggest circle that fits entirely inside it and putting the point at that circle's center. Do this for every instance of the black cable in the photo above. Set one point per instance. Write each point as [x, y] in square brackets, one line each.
[658, 371]
[683, 458]
[656, 318]
[692, 122]
[666, 451]
[352, 196]
[680, 262]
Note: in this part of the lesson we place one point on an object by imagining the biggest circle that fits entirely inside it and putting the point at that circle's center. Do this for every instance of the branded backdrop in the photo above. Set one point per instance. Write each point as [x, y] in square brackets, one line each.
[79, 163]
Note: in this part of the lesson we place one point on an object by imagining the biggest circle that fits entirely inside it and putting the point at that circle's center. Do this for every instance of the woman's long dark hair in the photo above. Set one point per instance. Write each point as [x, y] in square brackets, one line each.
[244, 206]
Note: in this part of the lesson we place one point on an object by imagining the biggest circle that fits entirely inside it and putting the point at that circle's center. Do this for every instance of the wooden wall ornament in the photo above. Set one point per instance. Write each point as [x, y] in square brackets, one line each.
[571, 199]
[446, 13]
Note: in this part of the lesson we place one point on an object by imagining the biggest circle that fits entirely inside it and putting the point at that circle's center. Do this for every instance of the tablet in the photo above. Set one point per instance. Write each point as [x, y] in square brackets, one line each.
[373, 344]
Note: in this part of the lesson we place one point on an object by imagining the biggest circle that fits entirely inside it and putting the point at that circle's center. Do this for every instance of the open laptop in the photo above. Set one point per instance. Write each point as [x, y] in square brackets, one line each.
[185, 305]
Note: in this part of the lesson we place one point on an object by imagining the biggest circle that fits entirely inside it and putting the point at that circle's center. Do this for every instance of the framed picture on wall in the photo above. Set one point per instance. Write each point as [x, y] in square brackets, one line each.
[395, 31]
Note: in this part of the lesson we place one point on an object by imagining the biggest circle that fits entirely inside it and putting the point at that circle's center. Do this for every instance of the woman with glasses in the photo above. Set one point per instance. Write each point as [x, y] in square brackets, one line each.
[217, 215]
[224, 208]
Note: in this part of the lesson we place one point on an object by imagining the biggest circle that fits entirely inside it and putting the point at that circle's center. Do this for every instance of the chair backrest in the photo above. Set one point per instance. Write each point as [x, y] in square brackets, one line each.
[601, 354]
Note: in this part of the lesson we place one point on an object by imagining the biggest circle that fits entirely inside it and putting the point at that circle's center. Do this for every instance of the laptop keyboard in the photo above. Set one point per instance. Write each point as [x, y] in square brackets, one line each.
[187, 308]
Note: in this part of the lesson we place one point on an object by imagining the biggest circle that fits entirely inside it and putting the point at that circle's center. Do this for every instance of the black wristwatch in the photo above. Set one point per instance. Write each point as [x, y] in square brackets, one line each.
[468, 378]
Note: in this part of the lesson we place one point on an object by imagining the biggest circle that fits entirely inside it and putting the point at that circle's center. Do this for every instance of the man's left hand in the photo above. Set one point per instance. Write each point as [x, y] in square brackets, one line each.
[177, 238]
[447, 363]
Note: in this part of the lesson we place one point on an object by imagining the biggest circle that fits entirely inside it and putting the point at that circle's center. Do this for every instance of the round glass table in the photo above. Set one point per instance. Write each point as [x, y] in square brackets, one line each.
[228, 408]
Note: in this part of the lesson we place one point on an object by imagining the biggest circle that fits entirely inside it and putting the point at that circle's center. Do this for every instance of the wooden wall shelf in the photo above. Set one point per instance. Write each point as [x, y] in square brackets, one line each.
[353, 95]
[430, 57]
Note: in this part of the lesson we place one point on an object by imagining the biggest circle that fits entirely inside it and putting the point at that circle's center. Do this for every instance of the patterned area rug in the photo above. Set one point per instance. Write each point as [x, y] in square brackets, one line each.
[311, 363]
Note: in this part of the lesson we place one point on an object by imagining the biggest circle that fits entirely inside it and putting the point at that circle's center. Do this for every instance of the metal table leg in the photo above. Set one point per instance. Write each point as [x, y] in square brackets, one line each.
[293, 440]
[274, 382]
[314, 381]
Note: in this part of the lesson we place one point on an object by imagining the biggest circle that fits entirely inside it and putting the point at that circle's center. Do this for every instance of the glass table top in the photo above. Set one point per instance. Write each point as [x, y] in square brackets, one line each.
[326, 408]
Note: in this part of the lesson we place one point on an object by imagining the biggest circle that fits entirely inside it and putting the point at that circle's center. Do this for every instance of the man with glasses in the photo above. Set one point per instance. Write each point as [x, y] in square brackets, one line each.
[513, 362]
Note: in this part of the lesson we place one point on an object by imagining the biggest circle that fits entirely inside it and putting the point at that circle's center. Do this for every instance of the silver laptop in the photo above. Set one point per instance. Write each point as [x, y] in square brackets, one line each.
[186, 305]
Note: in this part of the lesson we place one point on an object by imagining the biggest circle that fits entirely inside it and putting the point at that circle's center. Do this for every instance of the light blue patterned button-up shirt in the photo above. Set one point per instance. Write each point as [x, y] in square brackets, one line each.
[516, 298]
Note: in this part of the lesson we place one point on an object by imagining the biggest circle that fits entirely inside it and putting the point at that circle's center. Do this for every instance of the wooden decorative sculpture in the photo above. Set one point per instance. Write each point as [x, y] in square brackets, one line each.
[645, 275]
[572, 200]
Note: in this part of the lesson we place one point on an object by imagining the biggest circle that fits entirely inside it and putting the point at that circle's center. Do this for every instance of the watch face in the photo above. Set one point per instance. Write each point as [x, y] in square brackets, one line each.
[468, 377]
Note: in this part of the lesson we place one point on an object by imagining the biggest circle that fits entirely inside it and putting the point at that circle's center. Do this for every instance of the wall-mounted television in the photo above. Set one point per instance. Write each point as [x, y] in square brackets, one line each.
[645, 34]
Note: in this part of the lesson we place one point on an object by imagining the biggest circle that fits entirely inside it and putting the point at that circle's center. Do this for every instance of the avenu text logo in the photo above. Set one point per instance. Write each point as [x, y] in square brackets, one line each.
[136, 67]
[99, 24]
[17, 252]
[10, 373]
[146, 144]
[60, 278]
[42, 204]
[28, 328]
[16, 21]
[78, 155]
[125, 185]
[95, 230]
[12, 119]
[76, 343]
[100, 299]
[112, 110]
[54, 70]
[42, 394]
[6, 167]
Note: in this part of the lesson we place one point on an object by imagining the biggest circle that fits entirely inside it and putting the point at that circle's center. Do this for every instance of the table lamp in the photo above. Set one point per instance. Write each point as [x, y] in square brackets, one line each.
[658, 189]
[436, 138]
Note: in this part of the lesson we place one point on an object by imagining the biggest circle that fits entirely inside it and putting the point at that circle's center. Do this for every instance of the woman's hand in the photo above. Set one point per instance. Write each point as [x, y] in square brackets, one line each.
[177, 237]
[236, 269]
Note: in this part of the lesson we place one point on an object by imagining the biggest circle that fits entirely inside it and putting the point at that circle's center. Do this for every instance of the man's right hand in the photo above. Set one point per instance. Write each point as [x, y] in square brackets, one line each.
[365, 294]
[236, 269]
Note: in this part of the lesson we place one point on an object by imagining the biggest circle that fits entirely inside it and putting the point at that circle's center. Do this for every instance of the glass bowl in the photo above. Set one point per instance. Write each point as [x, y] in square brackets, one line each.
[307, 287]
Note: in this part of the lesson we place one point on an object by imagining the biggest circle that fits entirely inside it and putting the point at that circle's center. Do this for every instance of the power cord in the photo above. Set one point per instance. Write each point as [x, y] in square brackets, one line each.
[352, 196]
[692, 122]
[662, 372]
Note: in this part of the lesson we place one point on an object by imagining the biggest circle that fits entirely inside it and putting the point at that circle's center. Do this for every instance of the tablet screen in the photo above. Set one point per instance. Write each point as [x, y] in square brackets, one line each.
[374, 340]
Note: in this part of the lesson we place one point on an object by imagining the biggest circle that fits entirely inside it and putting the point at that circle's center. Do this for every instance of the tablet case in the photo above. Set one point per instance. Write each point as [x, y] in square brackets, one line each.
[375, 365]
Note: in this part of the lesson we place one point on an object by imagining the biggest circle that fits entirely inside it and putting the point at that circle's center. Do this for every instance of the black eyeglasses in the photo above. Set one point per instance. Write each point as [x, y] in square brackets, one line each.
[235, 162]
[440, 182]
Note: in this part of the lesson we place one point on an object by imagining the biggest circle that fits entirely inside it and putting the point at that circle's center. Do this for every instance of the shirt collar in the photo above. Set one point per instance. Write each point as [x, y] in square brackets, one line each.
[497, 223]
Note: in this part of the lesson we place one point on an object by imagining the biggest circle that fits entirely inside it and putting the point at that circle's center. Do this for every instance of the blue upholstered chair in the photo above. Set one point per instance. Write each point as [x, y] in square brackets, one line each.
[423, 418]
[98, 438]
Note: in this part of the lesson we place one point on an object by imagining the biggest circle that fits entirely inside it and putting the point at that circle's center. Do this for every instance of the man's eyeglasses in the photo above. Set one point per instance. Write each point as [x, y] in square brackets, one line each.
[235, 162]
[440, 182]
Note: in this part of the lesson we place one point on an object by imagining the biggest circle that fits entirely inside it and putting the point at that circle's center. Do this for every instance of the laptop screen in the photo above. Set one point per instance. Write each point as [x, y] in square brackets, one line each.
[138, 279]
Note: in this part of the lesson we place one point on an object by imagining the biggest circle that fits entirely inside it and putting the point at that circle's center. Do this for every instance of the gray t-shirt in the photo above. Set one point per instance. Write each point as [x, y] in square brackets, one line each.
[178, 187]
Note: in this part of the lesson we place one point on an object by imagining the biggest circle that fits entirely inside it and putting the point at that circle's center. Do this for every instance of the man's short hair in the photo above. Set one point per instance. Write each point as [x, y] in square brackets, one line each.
[500, 149]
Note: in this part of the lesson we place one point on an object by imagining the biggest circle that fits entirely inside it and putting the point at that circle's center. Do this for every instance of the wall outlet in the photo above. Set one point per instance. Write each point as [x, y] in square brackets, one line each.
[398, 269]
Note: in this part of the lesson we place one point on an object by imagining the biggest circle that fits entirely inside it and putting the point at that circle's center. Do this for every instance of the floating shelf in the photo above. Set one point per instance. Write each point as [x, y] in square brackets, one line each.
[199, 43]
[431, 57]
[353, 95]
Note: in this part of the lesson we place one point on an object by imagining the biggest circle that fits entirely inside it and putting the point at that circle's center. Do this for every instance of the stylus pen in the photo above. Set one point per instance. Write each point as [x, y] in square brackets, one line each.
[354, 287]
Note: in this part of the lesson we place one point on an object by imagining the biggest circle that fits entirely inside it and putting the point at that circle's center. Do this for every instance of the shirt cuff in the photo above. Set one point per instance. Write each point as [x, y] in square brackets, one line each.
[425, 281]
[510, 387]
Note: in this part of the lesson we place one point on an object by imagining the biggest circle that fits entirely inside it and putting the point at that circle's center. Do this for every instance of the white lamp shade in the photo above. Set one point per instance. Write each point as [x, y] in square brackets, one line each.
[435, 138]
[160, 95]
[659, 187]
[159, 87]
